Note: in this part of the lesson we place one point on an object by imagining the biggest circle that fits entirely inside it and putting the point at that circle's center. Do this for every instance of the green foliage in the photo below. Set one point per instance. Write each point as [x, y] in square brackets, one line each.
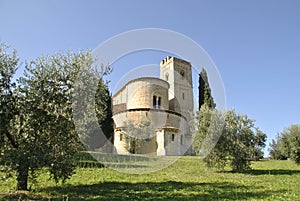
[208, 121]
[91, 104]
[103, 107]
[37, 125]
[260, 141]
[275, 151]
[8, 67]
[8, 109]
[47, 113]
[227, 139]
[287, 144]
[205, 96]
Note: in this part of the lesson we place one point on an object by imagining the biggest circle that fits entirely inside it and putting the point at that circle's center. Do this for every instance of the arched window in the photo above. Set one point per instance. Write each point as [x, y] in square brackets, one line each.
[173, 137]
[159, 102]
[154, 101]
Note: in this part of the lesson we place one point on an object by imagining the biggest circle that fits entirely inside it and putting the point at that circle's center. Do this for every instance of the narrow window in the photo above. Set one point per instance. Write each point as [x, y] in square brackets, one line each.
[154, 101]
[183, 96]
[167, 77]
[159, 102]
[173, 137]
[121, 137]
[181, 139]
[182, 74]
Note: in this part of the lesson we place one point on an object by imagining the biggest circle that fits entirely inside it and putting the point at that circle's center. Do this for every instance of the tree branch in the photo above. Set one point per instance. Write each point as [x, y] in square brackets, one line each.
[11, 139]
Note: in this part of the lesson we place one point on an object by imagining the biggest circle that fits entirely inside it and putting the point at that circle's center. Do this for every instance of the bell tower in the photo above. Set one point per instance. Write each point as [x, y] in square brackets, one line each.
[178, 73]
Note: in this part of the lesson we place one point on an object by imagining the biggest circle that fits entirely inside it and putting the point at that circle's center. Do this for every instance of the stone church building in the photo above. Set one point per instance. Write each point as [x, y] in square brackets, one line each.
[165, 102]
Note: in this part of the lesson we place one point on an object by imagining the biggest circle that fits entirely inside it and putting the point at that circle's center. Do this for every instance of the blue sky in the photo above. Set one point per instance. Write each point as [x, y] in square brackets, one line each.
[254, 44]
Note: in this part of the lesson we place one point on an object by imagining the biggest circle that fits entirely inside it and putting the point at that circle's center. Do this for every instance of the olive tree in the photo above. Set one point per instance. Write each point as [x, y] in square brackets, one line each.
[227, 139]
[39, 131]
[287, 144]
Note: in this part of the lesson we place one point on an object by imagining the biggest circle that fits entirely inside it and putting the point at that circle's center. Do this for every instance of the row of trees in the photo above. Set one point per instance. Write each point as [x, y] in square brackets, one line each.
[37, 128]
[287, 144]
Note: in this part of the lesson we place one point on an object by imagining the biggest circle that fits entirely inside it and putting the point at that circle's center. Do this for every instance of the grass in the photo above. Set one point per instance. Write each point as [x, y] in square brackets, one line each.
[186, 179]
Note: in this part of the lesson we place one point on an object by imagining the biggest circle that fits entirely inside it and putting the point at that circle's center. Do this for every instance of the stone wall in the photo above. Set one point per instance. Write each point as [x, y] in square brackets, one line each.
[158, 118]
[139, 93]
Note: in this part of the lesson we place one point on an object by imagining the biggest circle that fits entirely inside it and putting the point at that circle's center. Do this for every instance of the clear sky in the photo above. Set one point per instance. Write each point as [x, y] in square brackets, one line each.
[254, 44]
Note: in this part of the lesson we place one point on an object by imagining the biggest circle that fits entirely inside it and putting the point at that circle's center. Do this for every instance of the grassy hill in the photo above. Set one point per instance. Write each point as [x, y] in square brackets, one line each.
[186, 179]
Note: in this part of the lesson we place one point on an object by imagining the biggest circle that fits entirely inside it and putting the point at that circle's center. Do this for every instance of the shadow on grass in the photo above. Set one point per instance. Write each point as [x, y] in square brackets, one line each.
[273, 172]
[169, 190]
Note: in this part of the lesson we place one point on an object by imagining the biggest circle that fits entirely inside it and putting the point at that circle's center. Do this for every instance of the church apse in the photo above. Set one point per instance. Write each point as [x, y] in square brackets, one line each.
[164, 103]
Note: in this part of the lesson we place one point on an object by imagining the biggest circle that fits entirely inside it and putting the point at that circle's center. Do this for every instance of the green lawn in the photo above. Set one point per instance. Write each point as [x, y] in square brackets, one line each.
[186, 179]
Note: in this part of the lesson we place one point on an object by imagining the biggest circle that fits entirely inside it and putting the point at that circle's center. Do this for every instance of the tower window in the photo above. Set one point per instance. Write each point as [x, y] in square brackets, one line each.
[173, 137]
[167, 77]
[182, 74]
[121, 137]
[183, 96]
[181, 139]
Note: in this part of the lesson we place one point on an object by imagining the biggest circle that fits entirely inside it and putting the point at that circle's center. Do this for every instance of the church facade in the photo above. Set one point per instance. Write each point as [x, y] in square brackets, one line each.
[164, 103]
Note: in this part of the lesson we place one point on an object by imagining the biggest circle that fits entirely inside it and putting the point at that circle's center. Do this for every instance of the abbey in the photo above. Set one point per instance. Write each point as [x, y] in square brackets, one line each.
[163, 104]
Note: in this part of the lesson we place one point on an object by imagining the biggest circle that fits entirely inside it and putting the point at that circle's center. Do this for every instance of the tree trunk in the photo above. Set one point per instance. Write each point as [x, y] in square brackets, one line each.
[22, 177]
